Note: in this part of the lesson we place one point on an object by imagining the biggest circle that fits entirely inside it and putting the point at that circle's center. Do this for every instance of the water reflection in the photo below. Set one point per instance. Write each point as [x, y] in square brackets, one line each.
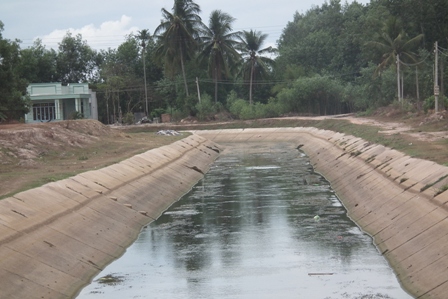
[247, 230]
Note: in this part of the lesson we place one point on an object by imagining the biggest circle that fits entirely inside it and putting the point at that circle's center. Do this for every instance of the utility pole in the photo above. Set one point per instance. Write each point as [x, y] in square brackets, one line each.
[199, 92]
[436, 78]
[398, 78]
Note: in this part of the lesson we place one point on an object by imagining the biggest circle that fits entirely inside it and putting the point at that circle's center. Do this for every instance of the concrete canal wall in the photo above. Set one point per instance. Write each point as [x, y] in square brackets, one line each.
[397, 199]
[55, 238]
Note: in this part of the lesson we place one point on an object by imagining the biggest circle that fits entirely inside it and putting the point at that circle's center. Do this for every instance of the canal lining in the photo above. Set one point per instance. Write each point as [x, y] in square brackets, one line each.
[400, 201]
[55, 238]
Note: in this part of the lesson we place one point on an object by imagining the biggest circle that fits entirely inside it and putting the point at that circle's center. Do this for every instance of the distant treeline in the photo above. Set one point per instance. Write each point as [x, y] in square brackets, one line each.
[335, 58]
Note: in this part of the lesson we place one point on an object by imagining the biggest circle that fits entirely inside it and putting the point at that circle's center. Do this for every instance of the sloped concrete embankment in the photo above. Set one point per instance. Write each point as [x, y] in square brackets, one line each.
[55, 238]
[399, 200]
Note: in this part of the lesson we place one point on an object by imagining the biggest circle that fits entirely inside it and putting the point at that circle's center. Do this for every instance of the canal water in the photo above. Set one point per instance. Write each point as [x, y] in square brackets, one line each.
[260, 224]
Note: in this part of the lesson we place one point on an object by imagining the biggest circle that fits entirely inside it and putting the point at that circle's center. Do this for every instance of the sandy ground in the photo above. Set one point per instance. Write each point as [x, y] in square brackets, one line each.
[35, 154]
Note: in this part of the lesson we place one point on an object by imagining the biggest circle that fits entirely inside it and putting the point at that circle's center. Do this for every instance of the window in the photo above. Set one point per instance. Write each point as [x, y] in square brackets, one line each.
[44, 111]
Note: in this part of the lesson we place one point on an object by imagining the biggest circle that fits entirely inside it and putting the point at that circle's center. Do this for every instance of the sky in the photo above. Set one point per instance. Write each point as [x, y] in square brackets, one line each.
[105, 23]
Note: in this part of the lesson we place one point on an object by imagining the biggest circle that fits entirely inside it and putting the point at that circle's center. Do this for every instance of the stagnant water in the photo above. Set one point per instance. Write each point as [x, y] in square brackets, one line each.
[249, 230]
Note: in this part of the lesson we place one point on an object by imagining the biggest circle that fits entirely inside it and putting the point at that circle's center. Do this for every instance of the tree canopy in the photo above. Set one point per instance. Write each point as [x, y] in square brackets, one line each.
[333, 58]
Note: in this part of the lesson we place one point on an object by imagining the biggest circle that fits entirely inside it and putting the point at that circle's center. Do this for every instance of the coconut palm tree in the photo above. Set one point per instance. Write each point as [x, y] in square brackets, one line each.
[393, 41]
[254, 64]
[144, 36]
[218, 47]
[177, 34]
[395, 47]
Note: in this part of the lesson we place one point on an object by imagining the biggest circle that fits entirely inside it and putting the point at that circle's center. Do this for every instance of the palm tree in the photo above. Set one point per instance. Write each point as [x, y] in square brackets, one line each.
[144, 36]
[218, 46]
[255, 65]
[395, 47]
[393, 41]
[177, 34]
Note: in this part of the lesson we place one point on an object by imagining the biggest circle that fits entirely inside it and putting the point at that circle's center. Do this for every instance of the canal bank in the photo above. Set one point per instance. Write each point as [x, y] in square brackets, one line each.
[55, 238]
[400, 201]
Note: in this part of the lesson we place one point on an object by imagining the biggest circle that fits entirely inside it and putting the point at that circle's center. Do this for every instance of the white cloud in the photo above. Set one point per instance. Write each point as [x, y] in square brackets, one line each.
[109, 34]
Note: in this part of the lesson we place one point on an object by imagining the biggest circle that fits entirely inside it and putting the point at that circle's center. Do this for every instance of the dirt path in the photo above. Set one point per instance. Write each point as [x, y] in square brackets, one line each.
[390, 127]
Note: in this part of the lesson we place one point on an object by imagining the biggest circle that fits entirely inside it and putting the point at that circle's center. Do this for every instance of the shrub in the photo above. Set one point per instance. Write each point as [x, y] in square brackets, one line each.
[430, 103]
[157, 112]
[129, 118]
[236, 107]
[76, 115]
[206, 109]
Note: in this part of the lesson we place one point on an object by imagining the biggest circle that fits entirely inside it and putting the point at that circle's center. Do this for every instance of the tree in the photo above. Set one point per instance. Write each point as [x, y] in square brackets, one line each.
[177, 34]
[254, 64]
[38, 64]
[313, 39]
[144, 36]
[219, 45]
[76, 61]
[393, 41]
[13, 103]
[422, 17]
[394, 45]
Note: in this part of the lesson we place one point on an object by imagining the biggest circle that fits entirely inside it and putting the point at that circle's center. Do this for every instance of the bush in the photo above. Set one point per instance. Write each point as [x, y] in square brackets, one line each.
[237, 106]
[206, 109]
[318, 95]
[177, 114]
[129, 118]
[76, 115]
[157, 112]
[430, 103]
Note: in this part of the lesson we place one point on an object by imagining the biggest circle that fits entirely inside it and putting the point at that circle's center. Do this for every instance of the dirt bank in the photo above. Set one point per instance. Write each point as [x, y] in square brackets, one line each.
[400, 201]
[34, 154]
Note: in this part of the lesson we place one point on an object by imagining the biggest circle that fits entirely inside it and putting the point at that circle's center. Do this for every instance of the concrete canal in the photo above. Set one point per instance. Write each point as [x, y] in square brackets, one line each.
[260, 224]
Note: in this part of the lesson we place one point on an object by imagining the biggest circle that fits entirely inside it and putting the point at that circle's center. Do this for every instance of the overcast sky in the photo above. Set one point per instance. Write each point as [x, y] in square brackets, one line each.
[105, 23]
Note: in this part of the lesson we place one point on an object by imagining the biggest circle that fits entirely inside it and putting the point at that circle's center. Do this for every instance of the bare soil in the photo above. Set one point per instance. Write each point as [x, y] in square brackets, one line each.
[34, 154]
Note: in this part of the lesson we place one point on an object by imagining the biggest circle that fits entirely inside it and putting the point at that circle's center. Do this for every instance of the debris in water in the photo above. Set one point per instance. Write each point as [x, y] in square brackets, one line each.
[317, 218]
[317, 273]
[110, 279]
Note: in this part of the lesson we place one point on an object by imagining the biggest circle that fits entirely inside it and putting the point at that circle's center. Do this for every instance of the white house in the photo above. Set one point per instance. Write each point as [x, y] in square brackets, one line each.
[56, 102]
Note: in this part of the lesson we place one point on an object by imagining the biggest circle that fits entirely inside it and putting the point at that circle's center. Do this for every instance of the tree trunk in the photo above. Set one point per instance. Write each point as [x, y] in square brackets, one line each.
[398, 78]
[216, 85]
[183, 71]
[144, 75]
[250, 84]
[416, 84]
[442, 101]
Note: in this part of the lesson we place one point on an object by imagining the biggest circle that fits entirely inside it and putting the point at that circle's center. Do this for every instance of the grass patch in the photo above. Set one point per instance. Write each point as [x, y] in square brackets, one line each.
[355, 154]
[370, 159]
[402, 180]
[441, 190]
[427, 186]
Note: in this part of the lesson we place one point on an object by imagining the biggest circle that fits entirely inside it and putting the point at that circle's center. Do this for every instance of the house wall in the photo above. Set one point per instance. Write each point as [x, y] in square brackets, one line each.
[44, 89]
[66, 99]
[69, 108]
[93, 105]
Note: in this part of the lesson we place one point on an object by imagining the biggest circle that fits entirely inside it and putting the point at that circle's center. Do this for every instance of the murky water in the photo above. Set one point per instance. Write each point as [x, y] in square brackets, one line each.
[248, 230]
